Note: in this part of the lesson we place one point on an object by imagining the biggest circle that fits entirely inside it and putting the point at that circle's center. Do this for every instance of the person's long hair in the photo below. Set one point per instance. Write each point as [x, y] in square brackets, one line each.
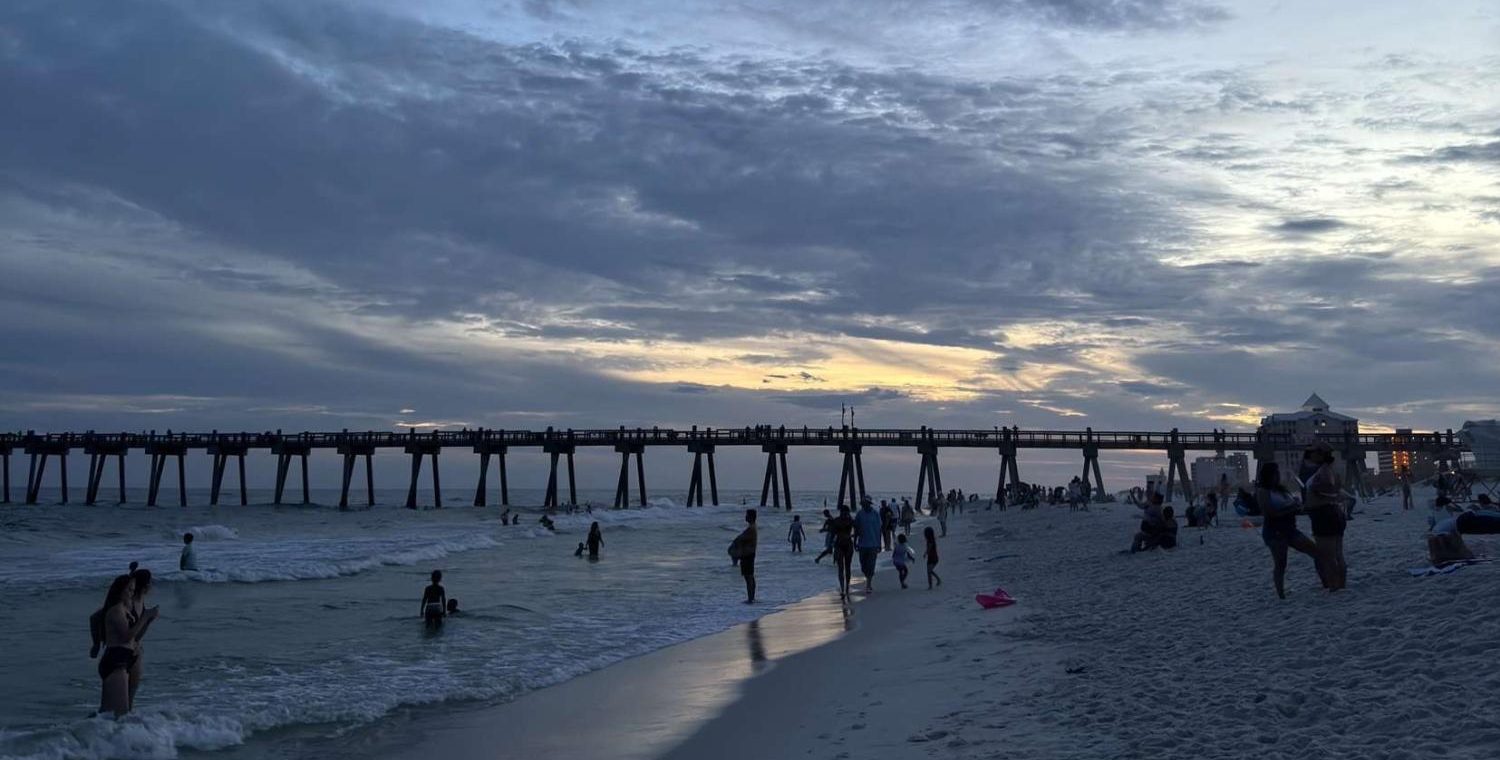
[1269, 477]
[142, 582]
[116, 591]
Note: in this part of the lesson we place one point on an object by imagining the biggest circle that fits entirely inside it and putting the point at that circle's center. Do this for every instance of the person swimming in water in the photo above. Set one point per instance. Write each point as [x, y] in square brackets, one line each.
[434, 601]
[452, 607]
[189, 558]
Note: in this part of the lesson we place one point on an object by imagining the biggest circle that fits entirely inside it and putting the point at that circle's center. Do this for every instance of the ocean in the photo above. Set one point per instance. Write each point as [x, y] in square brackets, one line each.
[303, 626]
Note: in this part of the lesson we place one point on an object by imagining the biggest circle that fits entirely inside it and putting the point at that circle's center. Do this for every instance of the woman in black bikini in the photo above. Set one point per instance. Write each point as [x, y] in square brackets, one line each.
[120, 640]
[142, 578]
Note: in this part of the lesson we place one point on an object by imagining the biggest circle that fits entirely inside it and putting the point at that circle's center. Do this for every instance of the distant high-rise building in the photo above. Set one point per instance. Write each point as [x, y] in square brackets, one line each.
[1399, 462]
[1208, 470]
[1304, 426]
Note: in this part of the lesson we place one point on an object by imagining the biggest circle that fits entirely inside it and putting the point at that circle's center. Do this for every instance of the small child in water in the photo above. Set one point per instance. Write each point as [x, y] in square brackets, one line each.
[796, 534]
[579, 551]
[902, 556]
[189, 558]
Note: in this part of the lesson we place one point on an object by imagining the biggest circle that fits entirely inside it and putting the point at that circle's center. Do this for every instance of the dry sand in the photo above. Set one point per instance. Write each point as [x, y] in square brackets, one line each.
[1181, 654]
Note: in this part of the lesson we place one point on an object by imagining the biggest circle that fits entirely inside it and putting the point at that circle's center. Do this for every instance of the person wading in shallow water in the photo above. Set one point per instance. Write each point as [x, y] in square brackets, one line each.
[841, 534]
[121, 636]
[595, 540]
[744, 550]
[434, 601]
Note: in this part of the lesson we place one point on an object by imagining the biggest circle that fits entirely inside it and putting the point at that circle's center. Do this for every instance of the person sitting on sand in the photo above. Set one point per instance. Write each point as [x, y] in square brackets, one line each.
[1445, 544]
[1151, 524]
[1166, 537]
[1279, 523]
[434, 601]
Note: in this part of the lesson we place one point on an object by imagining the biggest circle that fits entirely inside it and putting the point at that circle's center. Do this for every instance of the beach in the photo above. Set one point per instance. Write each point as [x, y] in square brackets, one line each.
[1176, 654]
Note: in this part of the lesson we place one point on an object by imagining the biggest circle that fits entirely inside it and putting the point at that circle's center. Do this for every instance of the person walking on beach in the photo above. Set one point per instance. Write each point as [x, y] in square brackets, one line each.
[901, 557]
[931, 555]
[434, 601]
[121, 637]
[594, 541]
[841, 538]
[887, 525]
[867, 526]
[746, 542]
[1325, 505]
[1405, 492]
[908, 516]
[940, 508]
[1278, 530]
[188, 560]
[795, 534]
[827, 532]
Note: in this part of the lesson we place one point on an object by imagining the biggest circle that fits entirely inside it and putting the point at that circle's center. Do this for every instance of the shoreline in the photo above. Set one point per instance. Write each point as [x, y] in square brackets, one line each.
[815, 674]
[634, 709]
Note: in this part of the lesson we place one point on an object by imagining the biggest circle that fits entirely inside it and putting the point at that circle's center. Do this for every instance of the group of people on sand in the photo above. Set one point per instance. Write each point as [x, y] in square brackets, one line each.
[1322, 500]
[868, 533]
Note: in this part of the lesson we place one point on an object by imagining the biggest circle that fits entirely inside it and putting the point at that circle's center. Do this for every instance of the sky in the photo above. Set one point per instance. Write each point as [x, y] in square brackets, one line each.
[1124, 214]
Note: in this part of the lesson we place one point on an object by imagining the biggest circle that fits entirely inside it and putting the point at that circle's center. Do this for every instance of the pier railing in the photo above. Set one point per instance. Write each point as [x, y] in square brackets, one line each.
[701, 442]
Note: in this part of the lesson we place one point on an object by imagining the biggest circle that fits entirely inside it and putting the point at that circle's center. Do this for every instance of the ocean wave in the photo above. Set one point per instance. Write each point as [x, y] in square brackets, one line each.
[210, 533]
[294, 570]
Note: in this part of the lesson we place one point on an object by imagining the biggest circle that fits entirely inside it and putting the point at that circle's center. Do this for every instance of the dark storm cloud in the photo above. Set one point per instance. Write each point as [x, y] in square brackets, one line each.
[1127, 14]
[203, 199]
[1471, 152]
[1314, 225]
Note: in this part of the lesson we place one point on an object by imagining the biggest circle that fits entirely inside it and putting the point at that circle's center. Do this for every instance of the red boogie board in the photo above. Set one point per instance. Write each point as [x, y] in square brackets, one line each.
[997, 599]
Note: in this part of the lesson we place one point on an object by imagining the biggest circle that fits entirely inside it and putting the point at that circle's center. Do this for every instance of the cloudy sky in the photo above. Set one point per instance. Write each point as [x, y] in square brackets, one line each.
[1045, 213]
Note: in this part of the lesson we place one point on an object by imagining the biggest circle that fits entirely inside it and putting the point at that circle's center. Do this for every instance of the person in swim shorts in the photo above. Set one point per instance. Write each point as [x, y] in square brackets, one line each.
[867, 534]
[434, 601]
